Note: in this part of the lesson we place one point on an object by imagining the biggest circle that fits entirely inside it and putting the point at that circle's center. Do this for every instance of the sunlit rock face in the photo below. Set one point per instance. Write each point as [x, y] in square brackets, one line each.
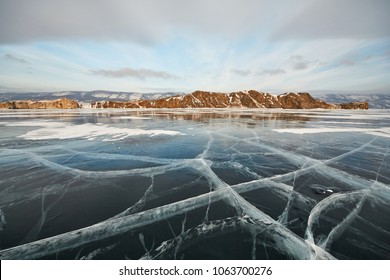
[62, 103]
[194, 184]
[302, 101]
[354, 105]
[246, 99]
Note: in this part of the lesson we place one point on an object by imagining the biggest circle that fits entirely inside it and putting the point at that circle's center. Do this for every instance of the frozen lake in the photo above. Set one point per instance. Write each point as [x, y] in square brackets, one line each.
[194, 184]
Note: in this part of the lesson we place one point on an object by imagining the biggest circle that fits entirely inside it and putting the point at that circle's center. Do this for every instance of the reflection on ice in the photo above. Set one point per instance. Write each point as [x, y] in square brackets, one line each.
[211, 184]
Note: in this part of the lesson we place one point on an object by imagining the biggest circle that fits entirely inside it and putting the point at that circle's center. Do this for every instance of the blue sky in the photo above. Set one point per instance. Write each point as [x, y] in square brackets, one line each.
[178, 45]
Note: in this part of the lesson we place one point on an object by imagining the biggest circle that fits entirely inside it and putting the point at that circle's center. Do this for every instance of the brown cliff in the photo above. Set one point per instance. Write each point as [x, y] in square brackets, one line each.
[241, 99]
[62, 103]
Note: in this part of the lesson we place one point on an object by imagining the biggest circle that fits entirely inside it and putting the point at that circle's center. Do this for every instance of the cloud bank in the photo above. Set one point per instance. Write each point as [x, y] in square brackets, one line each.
[150, 21]
[146, 21]
[358, 19]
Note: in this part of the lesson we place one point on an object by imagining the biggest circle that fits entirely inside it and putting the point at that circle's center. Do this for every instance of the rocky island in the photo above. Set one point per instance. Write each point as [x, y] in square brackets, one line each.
[241, 99]
[62, 103]
[199, 99]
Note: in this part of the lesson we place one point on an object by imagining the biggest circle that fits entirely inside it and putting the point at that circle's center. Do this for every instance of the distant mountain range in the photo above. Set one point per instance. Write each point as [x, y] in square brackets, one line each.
[376, 101]
[85, 96]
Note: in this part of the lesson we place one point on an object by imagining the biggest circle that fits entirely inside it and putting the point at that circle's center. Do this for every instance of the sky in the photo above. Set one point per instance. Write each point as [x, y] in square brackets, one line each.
[326, 46]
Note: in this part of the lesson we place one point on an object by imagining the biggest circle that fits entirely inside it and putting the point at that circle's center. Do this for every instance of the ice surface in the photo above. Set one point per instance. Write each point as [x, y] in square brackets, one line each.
[219, 184]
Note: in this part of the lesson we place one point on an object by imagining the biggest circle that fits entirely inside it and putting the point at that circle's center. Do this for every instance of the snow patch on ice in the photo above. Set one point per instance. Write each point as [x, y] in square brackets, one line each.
[384, 132]
[61, 130]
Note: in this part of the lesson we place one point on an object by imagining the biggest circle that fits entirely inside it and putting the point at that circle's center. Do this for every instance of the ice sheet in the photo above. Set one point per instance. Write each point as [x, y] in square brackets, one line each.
[214, 184]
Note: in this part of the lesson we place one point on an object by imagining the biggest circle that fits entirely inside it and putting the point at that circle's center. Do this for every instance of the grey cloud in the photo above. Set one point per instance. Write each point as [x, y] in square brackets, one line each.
[272, 72]
[13, 58]
[241, 72]
[351, 61]
[142, 21]
[301, 65]
[338, 19]
[296, 57]
[347, 62]
[298, 62]
[141, 74]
